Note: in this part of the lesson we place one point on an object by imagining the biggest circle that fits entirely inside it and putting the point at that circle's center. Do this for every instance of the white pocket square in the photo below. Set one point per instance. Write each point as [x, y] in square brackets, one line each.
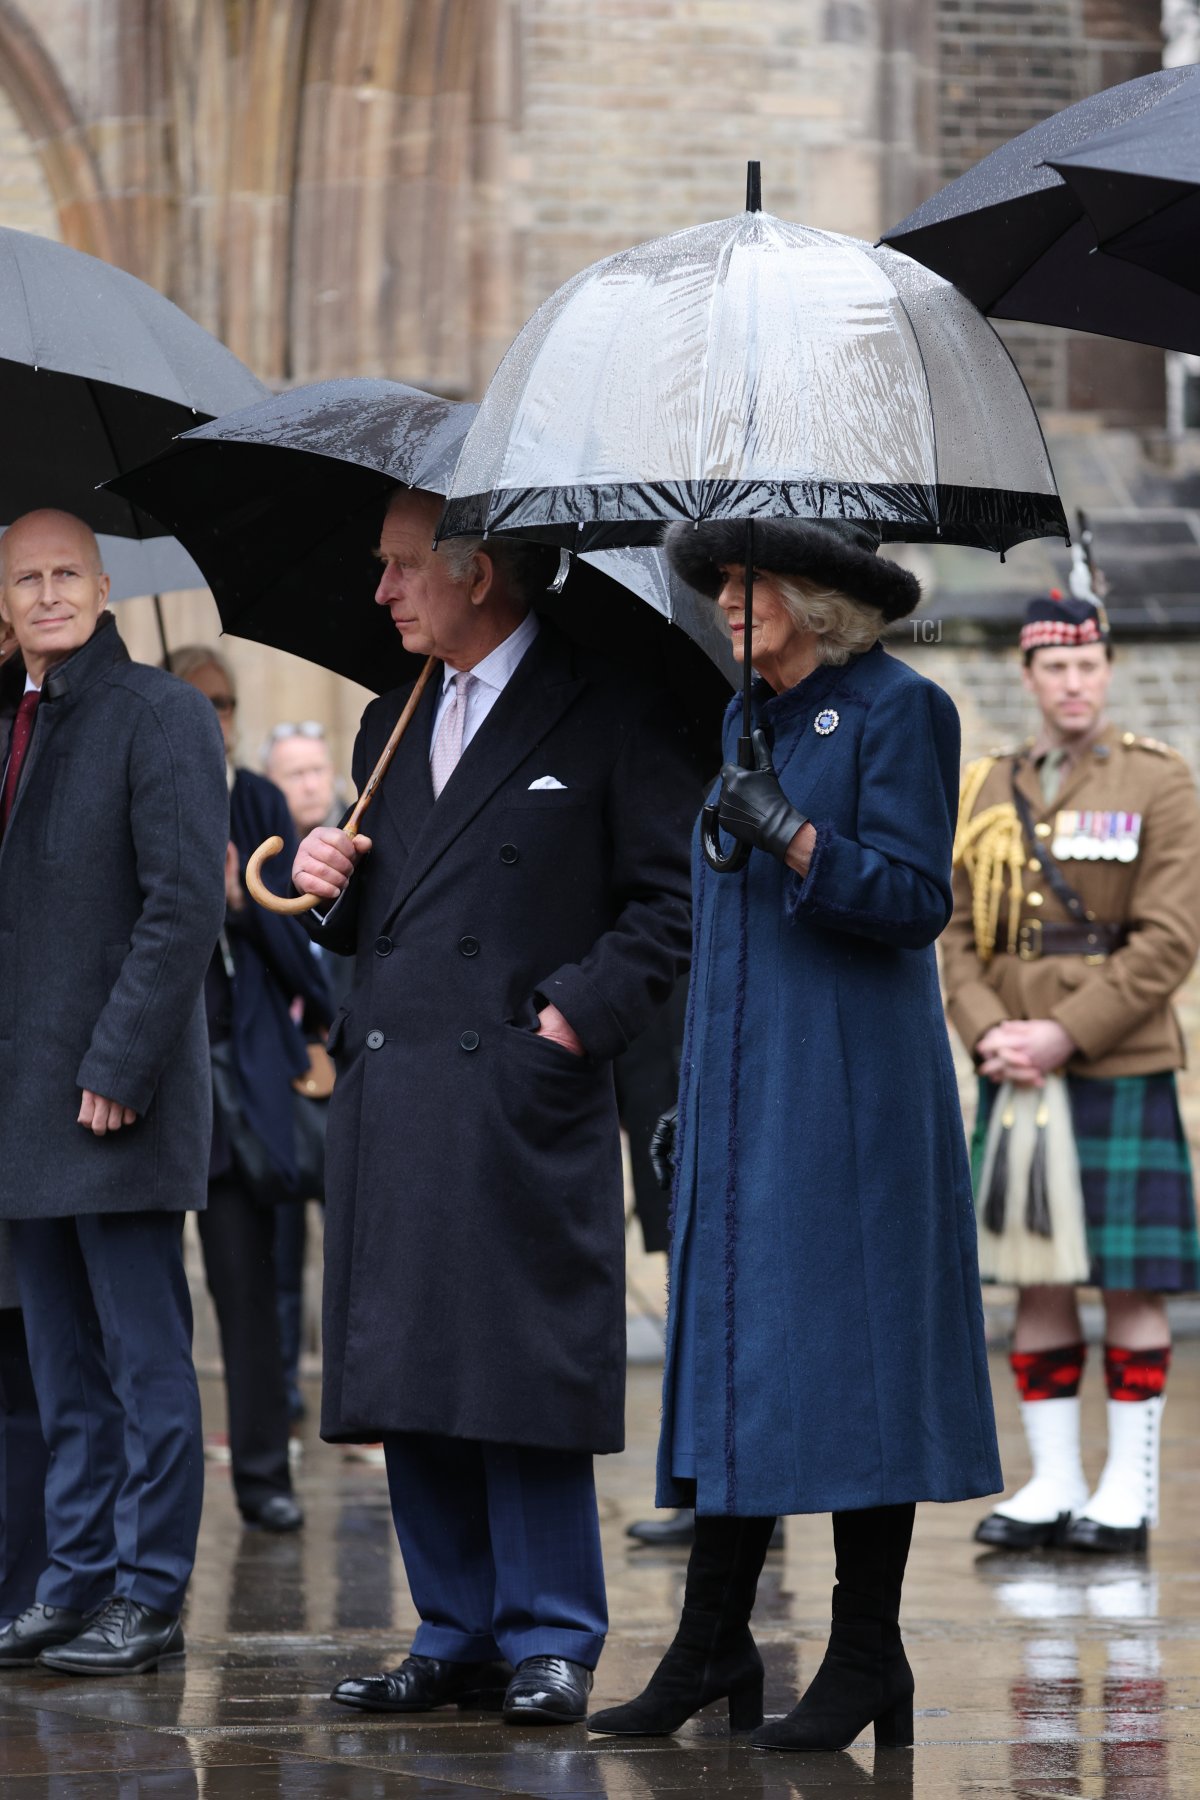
[546, 781]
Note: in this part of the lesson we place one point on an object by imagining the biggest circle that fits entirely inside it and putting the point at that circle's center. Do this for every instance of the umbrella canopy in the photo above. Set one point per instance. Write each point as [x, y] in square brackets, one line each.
[756, 369]
[281, 505]
[1080, 221]
[102, 371]
[1139, 183]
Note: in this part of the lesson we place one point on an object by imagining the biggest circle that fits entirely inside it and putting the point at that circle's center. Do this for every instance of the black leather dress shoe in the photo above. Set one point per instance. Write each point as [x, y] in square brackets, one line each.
[123, 1638]
[423, 1683]
[680, 1528]
[1106, 1540]
[1003, 1533]
[38, 1628]
[280, 1513]
[548, 1690]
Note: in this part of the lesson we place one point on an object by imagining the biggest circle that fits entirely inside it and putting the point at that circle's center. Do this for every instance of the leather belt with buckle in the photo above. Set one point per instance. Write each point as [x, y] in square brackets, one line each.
[1093, 941]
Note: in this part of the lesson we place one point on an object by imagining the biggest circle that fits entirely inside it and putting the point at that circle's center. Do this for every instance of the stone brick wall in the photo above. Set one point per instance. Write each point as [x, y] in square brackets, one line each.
[637, 117]
[26, 203]
[1004, 65]
[1155, 692]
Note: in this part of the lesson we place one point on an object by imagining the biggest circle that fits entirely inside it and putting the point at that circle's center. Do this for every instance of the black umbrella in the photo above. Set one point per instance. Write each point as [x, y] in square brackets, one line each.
[1026, 241]
[101, 371]
[281, 504]
[1139, 184]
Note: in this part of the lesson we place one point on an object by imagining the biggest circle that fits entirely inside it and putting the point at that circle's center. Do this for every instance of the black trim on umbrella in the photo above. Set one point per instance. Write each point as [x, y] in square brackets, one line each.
[631, 513]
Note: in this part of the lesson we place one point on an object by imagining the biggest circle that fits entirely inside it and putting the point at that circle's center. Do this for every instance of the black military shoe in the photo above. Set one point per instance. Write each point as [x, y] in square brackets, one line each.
[38, 1628]
[548, 1690]
[423, 1683]
[1107, 1540]
[123, 1638]
[1003, 1533]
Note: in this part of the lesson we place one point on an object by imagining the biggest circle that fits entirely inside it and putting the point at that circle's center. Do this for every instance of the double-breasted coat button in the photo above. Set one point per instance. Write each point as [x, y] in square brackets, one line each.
[383, 946]
[469, 1040]
[374, 1040]
[469, 946]
[508, 853]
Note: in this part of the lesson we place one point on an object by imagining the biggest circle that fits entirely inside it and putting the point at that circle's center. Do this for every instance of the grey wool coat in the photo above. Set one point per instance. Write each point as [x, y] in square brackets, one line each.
[112, 896]
[474, 1230]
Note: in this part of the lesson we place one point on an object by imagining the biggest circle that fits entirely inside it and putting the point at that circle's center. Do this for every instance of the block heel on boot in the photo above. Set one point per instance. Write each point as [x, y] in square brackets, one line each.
[894, 1728]
[746, 1707]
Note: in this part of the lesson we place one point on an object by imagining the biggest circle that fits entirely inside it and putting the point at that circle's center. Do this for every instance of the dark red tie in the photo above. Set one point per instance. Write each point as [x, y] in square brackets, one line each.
[21, 733]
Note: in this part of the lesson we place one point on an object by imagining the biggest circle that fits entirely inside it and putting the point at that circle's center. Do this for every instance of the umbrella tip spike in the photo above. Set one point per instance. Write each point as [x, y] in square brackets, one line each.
[753, 187]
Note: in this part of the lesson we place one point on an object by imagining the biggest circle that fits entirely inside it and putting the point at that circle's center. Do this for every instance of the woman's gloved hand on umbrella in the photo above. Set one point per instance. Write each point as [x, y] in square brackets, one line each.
[754, 808]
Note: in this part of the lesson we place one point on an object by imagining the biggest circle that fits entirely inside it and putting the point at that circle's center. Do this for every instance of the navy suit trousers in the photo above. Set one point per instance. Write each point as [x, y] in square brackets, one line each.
[501, 1546]
[23, 1460]
[108, 1320]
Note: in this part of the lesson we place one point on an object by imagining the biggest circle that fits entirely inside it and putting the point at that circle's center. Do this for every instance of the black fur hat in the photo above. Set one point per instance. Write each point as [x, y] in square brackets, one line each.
[838, 553]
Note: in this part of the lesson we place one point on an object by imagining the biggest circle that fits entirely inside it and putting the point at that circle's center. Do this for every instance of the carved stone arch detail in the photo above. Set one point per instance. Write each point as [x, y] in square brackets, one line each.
[384, 212]
[44, 106]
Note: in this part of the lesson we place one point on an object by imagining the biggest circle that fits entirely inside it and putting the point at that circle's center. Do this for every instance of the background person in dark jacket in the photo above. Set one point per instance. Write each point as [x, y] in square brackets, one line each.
[264, 963]
[825, 1348]
[115, 818]
[522, 914]
[297, 758]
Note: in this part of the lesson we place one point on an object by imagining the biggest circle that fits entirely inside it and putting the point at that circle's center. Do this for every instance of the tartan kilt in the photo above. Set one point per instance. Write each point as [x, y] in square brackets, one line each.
[1136, 1174]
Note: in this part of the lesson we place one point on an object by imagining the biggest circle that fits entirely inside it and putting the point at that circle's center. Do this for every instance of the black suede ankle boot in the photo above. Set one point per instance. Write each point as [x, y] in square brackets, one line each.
[864, 1678]
[713, 1656]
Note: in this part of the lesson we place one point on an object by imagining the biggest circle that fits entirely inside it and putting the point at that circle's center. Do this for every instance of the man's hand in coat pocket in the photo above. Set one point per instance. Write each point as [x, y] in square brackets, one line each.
[326, 860]
[551, 1024]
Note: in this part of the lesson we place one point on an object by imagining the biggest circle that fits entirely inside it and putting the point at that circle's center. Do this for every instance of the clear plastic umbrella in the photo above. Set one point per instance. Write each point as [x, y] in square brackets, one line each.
[755, 369]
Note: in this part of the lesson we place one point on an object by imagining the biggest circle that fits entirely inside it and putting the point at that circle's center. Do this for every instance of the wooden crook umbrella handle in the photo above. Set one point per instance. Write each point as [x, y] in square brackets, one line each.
[302, 903]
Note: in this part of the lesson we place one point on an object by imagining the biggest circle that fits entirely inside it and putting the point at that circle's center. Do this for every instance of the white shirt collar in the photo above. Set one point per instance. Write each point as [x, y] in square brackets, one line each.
[497, 667]
[31, 686]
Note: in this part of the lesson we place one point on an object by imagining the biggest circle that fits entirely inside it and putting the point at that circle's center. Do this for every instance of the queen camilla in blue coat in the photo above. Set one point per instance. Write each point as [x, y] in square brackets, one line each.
[825, 1346]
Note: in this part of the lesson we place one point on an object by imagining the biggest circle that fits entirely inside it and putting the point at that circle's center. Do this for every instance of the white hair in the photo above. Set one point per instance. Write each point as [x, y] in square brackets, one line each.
[842, 627]
[526, 568]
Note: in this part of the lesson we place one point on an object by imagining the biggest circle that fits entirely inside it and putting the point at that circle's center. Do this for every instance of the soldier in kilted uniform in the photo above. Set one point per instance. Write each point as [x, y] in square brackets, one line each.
[1077, 917]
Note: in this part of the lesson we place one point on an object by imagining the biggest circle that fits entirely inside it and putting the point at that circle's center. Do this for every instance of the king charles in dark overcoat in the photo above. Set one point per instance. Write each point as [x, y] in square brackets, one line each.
[474, 1309]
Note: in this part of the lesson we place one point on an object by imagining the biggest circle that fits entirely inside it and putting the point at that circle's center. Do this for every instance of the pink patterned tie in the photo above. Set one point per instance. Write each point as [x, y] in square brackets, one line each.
[447, 746]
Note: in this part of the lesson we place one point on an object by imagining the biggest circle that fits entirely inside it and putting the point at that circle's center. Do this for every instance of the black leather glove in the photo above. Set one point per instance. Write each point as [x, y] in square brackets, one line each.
[754, 808]
[662, 1147]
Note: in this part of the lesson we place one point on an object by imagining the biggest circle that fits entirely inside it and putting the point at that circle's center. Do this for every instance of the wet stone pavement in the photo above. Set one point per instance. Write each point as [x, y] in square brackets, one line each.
[1037, 1676]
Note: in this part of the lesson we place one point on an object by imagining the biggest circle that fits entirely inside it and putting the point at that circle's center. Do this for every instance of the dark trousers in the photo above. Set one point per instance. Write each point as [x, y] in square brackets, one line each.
[291, 1246]
[108, 1320]
[238, 1235]
[23, 1463]
[501, 1545]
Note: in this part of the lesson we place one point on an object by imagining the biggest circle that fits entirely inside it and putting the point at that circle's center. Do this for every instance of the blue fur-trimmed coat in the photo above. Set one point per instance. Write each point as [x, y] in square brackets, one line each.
[823, 1208]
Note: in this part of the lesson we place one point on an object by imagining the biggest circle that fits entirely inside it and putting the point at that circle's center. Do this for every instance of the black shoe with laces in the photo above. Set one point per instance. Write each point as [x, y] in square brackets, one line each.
[123, 1638]
[423, 1683]
[38, 1628]
[547, 1690]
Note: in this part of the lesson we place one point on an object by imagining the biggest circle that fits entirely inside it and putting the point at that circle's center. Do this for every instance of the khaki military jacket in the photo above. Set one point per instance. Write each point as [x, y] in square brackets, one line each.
[1126, 794]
